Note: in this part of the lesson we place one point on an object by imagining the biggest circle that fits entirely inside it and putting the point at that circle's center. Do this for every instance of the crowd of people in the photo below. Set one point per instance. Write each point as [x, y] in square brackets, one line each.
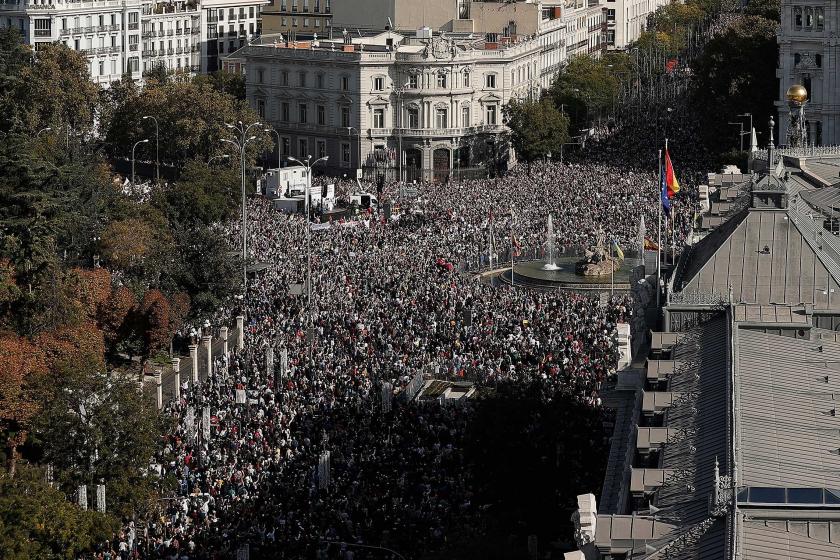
[380, 313]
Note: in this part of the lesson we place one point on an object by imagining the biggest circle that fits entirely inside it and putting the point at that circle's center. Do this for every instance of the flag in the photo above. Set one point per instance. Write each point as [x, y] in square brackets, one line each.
[650, 245]
[670, 176]
[663, 193]
[517, 247]
[671, 65]
[619, 253]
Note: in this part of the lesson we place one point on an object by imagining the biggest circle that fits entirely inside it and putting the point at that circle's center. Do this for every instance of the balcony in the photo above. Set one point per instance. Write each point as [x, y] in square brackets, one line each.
[133, 26]
[170, 32]
[179, 50]
[148, 34]
[170, 51]
[195, 31]
[133, 47]
[434, 132]
[147, 54]
[43, 32]
[212, 19]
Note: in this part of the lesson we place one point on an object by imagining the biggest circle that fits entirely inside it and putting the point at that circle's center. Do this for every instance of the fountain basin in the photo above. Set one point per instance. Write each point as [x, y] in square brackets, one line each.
[533, 274]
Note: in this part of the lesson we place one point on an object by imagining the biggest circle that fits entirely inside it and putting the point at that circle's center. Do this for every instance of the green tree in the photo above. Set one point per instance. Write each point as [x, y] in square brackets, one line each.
[736, 74]
[224, 82]
[191, 116]
[203, 195]
[587, 88]
[96, 428]
[537, 128]
[37, 521]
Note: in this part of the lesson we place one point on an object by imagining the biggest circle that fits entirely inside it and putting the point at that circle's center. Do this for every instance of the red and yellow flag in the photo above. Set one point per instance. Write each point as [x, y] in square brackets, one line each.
[670, 176]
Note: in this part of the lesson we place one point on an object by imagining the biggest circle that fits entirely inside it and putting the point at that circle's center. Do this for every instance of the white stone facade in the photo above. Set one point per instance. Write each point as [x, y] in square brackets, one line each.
[626, 20]
[584, 25]
[120, 36]
[107, 31]
[808, 55]
[343, 100]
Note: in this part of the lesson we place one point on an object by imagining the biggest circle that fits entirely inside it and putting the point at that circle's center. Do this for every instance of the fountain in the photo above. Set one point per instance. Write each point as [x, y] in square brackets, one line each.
[550, 263]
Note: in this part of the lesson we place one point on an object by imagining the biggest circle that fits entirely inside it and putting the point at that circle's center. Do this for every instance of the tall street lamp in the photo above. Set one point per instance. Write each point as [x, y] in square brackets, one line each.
[47, 129]
[240, 142]
[278, 143]
[157, 146]
[400, 91]
[133, 148]
[225, 156]
[306, 163]
[359, 134]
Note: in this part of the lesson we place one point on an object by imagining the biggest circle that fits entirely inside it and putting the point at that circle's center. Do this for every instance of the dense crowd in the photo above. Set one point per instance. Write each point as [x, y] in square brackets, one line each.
[382, 311]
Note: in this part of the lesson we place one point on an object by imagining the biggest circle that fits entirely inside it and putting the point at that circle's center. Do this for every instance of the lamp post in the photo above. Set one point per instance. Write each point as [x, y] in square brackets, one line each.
[133, 148]
[157, 146]
[278, 143]
[306, 163]
[359, 134]
[47, 129]
[400, 91]
[741, 133]
[751, 120]
[240, 143]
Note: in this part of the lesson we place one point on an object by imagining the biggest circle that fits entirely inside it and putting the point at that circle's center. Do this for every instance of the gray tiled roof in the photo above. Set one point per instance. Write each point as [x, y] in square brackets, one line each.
[766, 259]
[699, 416]
[762, 540]
[786, 390]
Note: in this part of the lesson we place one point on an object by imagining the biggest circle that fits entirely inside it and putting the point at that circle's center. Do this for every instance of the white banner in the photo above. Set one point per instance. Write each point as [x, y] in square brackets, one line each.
[100, 498]
[240, 396]
[205, 423]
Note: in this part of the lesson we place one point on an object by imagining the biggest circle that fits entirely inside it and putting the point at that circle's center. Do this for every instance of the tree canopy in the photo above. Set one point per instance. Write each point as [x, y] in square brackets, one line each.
[537, 128]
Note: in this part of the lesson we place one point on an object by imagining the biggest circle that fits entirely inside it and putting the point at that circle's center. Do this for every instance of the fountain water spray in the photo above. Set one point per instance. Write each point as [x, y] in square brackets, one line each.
[549, 249]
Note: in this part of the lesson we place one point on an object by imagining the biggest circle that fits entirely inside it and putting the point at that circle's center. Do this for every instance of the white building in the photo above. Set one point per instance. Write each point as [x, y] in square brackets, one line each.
[171, 36]
[107, 31]
[626, 20]
[808, 55]
[120, 36]
[429, 101]
[584, 25]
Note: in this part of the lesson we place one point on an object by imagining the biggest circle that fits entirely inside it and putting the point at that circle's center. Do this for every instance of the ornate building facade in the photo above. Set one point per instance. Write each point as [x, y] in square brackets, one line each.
[808, 55]
[423, 107]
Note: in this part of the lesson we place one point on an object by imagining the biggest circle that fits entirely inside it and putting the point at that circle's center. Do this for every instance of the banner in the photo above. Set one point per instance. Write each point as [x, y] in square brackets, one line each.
[82, 495]
[205, 423]
[100, 498]
[387, 396]
[240, 396]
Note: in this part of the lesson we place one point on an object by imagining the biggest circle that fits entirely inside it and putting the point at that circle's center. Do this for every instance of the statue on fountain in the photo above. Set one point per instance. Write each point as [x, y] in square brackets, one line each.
[597, 260]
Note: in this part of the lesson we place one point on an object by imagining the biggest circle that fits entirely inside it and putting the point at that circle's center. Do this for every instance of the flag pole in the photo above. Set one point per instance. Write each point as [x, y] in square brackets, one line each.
[659, 232]
[511, 247]
[668, 220]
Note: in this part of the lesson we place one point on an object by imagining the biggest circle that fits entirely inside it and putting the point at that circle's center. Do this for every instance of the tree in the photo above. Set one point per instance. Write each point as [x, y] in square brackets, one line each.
[22, 369]
[224, 82]
[202, 195]
[537, 128]
[54, 90]
[588, 88]
[37, 521]
[96, 428]
[154, 317]
[113, 316]
[735, 74]
[192, 117]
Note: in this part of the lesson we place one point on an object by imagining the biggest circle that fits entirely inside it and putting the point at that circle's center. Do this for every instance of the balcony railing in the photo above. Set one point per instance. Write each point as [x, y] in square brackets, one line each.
[43, 32]
[170, 51]
[133, 25]
[133, 47]
[435, 132]
[170, 32]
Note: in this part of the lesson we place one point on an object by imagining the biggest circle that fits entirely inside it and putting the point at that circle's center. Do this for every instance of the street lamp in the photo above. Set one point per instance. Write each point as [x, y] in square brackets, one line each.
[306, 163]
[278, 143]
[741, 133]
[751, 119]
[133, 148]
[225, 156]
[359, 134]
[400, 91]
[47, 129]
[240, 144]
[157, 146]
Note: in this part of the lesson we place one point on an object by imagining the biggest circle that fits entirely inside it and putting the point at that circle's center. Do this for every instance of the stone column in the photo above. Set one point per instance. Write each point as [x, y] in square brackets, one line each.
[194, 362]
[223, 334]
[240, 332]
[208, 345]
[159, 390]
[176, 369]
